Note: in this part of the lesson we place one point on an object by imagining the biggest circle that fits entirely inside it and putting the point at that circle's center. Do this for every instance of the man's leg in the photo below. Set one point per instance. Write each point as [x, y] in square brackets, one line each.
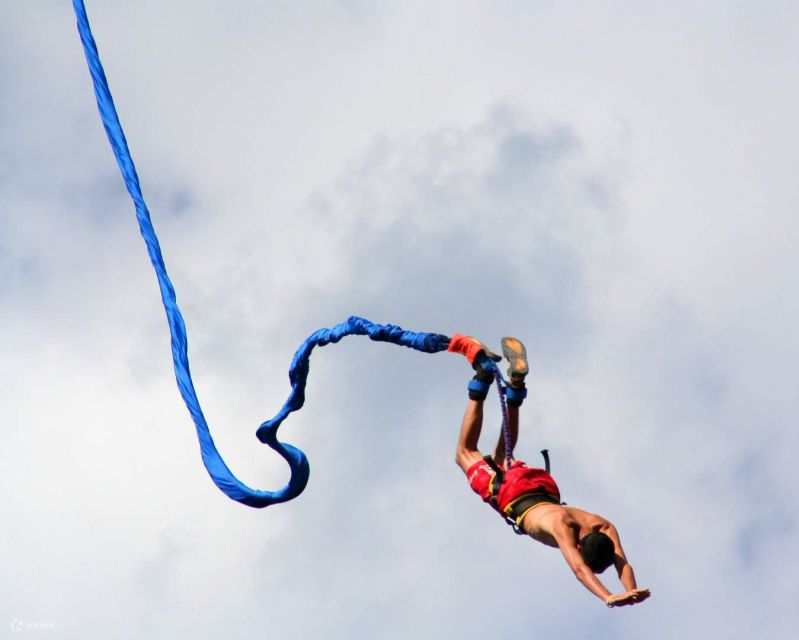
[516, 354]
[467, 452]
[481, 358]
[513, 424]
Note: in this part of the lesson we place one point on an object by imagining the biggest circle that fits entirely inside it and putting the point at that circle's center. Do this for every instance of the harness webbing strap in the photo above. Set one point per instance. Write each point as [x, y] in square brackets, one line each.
[521, 505]
[514, 511]
[497, 481]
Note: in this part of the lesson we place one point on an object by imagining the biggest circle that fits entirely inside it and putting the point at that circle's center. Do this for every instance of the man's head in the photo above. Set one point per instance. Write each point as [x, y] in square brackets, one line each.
[597, 550]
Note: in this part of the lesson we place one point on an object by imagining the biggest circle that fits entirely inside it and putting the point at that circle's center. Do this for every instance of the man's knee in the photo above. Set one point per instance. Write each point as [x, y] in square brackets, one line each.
[465, 458]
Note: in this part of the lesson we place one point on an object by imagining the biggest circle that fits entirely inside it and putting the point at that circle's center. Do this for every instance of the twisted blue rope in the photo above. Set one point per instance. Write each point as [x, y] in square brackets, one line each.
[267, 432]
[501, 385]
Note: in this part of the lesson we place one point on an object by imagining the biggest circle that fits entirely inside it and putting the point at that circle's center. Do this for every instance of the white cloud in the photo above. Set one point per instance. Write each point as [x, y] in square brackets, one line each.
[628, 216]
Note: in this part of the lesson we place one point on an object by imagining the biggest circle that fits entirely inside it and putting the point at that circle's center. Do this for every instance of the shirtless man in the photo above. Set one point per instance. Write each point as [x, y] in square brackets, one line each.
[530, 497]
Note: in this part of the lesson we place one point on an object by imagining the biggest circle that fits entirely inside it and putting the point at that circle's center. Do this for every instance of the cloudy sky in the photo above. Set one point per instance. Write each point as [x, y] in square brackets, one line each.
[612, 182]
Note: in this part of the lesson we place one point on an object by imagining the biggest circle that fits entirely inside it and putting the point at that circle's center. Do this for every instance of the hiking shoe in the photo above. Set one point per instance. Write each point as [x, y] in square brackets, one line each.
[516, 354]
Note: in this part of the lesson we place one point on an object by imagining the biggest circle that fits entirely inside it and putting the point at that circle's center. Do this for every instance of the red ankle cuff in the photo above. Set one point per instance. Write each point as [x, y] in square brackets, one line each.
[464, 345]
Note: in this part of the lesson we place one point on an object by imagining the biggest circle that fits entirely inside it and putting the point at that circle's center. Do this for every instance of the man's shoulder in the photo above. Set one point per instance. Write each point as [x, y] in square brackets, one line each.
[583, 517]
[551, 524]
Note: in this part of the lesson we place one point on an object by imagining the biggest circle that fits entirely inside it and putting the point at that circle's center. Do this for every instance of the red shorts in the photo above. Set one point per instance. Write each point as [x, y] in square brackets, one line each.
[519, 479]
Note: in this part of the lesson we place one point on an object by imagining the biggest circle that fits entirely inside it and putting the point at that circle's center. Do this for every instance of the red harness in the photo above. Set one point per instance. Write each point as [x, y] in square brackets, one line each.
[511, 492]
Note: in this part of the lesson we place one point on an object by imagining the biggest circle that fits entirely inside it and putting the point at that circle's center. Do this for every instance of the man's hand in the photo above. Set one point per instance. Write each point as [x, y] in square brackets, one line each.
[641, 594]
[633, 596]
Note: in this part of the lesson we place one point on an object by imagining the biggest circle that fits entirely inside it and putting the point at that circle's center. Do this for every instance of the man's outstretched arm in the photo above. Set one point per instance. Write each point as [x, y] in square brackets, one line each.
[566, 537]
[623, 567]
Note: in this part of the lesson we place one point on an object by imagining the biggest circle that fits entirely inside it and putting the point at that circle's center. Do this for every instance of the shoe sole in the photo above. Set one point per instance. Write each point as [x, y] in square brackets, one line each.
[516, 354]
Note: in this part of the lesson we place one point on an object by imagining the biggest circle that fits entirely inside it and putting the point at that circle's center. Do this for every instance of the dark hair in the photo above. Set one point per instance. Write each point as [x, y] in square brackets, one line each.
[597, 551]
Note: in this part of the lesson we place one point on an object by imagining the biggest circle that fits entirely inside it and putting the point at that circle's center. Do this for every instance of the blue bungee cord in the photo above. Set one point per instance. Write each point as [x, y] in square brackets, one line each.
[298, 373]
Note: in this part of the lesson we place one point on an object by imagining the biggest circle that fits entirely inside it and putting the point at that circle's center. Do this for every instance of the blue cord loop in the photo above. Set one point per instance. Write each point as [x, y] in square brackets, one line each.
[300, 366]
